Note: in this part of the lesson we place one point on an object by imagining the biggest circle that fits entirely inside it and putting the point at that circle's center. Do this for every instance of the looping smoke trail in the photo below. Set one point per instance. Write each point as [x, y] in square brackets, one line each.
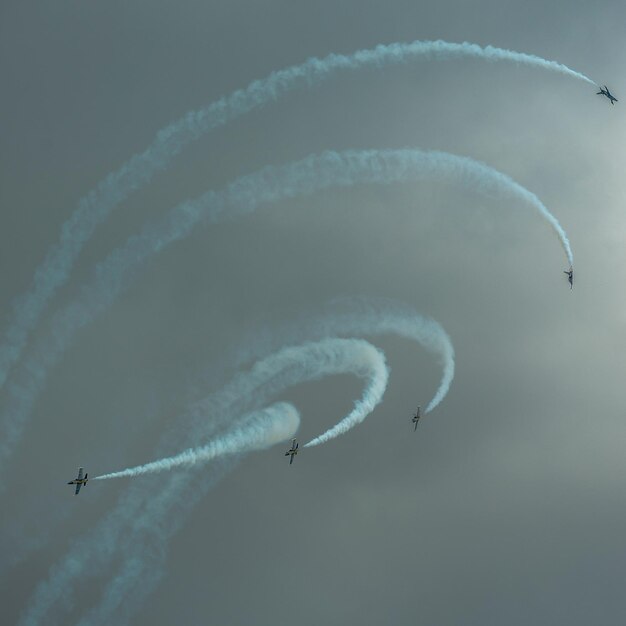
[357, 316]
[95, 207]
[145, 510]
[151, 511]
[242, 197]
[341, 317]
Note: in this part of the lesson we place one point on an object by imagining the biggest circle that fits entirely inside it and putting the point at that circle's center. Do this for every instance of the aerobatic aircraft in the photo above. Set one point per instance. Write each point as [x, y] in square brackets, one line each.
[292, 451]
[416, 417]
[604, 91]
[79, 481]
[570, 276]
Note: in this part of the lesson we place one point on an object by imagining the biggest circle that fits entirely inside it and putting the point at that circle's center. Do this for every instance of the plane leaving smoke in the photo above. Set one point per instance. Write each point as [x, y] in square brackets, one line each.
[243, 196]
[133, 522]
[94, 208]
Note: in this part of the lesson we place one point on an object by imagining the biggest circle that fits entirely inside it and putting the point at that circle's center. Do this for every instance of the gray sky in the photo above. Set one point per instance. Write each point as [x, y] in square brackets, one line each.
[505, 506]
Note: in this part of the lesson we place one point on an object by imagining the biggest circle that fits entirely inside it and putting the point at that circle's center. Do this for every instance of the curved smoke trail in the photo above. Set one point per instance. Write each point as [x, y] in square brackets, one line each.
[292, 364]
[95, 207]
[243, 196]
[356, 316]
[347, 317]
[155, 510]
[261, 430]
[151, 511]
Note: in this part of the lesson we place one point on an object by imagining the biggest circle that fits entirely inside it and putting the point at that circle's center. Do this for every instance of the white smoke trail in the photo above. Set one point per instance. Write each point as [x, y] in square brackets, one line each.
[358, 316]
[243, 196]
[95, 207]
[261, 430]
[143, 512]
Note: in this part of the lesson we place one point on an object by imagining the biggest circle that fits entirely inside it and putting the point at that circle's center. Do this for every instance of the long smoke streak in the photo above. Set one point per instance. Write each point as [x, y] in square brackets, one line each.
[156, 510]
[94, 208]
[243, 196]
[260, 431]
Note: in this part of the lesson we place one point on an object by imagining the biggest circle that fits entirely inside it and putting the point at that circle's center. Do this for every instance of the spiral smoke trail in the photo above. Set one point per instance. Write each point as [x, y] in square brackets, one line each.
[153, 512]
[243, 196]
[355, 316]
[138, 171]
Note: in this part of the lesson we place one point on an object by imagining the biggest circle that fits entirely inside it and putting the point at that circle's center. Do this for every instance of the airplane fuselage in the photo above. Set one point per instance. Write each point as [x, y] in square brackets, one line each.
[292, 451]
[604, 91]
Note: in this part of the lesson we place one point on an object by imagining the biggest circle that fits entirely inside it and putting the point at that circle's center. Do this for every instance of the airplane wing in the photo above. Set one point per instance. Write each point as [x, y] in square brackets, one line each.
[78, 486]
[80, 473]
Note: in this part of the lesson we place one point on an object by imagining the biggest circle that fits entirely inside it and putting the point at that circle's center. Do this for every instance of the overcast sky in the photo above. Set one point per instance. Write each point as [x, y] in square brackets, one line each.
[506, 506]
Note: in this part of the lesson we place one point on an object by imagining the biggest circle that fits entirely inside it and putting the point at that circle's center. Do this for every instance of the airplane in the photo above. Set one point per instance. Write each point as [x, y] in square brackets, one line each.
[416, 417]
[79, 481]
[292, 451]
[605, 92]
[570, 276]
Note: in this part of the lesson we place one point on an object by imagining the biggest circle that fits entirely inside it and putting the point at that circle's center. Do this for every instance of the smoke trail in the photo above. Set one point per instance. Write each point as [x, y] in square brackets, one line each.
[145, 510]
[261, 430]
[357, 316]
[242, 197]
[94, 208]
